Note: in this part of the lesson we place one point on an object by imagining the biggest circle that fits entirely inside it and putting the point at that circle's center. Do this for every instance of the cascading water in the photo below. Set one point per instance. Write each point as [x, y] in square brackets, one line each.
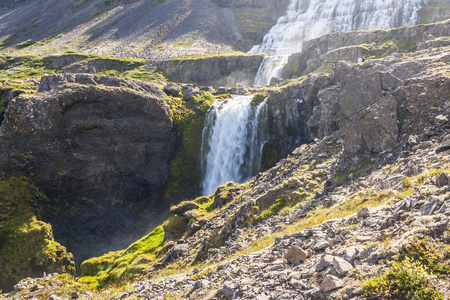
[309, 19]
[233, 137]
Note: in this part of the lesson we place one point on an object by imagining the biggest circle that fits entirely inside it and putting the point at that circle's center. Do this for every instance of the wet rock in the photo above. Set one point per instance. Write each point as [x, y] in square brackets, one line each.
[222, 90]
[74, 295]
[331, 283]
[296, 255]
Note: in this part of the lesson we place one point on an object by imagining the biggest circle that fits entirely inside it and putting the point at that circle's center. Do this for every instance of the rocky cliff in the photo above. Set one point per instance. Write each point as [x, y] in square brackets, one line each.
[227, 70]
[95, 146]
[322, 52]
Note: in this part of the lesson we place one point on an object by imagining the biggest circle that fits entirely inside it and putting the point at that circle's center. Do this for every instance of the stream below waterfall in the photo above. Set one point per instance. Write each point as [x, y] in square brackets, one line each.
[233, 138]
[309, 19]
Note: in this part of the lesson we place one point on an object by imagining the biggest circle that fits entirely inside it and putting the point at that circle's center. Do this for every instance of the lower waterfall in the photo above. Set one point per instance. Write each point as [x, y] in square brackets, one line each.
[233, 138]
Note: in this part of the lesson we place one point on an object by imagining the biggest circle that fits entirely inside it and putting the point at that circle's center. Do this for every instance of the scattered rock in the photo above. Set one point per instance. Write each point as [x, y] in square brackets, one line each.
[296, 255]
[341, 266]
[363, 213]
[331, 283]
[429, 206]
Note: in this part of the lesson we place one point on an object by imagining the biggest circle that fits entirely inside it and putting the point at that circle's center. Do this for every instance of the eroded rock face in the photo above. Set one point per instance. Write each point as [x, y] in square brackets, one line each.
[91, 144]
[219, 70]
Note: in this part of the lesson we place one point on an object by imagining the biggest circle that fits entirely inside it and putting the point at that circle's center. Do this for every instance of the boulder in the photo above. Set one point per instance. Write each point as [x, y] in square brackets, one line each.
[172, 89]
[363, 213]
[429, 206]
[183, 207]
[296, 255]
[174, 253]
[325, 262]
[444, 145]
[330, 283]
[441, 180]
[340, 71]
[341, 266]
[222, 90]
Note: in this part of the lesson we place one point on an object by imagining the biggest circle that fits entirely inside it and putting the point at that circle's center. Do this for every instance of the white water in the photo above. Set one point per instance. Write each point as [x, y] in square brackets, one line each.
[309, 19]
[233, 137]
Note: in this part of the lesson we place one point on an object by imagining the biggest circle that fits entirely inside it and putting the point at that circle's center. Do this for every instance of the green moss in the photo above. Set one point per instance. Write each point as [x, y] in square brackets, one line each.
[258, 98]
[25, 44]
[116, 267]
[188, 123]
[175, 225]
[27, 247]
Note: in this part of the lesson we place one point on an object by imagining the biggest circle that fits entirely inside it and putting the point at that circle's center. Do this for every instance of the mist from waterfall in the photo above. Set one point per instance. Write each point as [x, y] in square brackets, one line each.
[308, 19]
[233, 138]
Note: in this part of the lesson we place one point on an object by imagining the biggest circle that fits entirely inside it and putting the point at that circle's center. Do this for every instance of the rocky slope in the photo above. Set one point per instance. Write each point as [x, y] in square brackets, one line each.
[146, 29]
[369, 184]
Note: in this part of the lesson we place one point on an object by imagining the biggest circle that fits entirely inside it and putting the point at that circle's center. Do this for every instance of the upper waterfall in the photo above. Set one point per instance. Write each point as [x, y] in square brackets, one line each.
[309, 19]
[233, 137]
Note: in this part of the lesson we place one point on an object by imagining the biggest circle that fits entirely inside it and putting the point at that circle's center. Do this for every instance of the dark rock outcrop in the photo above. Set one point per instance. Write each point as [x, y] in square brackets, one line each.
[92, 144]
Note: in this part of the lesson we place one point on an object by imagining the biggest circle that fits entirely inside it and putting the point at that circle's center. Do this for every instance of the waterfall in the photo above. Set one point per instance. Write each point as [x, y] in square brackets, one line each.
[233, 137]
[308, 19]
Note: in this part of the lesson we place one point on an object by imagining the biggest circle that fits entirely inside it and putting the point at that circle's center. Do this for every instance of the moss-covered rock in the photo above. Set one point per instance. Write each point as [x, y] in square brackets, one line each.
[27, 247]
[115, 267]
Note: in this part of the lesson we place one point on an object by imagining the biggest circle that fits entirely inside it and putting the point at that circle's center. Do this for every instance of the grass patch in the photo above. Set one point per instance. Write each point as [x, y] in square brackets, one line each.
[121, 266]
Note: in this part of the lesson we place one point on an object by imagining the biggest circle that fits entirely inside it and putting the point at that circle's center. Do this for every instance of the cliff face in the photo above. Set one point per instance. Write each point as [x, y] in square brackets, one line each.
[95, 146]
[226, 70]
[323, 51]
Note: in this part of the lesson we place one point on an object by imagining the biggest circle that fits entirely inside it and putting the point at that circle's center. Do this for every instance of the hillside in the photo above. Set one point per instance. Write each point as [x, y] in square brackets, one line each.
[138, 159]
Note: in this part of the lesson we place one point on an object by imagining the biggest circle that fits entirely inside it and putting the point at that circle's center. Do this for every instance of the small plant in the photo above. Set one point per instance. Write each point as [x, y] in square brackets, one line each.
[407, 279]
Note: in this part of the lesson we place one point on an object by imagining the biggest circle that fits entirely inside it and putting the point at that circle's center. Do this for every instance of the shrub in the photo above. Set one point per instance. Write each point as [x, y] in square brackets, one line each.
[405, 278]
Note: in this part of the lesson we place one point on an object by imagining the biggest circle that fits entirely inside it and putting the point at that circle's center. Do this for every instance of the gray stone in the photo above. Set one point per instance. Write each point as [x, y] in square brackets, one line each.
[351, 254]
[123, 295]
[172, 89]
[429, 206]
[326, 261]
[74, 295]
[441, 180]
[341, 266]
[444, 145]
[174, 253]
[229, 289]
[296, 255]
[297, 284]
[320, 245]
[445, 208]
[363, 213]
[222, 90]
[331, 283]
[53, 297]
